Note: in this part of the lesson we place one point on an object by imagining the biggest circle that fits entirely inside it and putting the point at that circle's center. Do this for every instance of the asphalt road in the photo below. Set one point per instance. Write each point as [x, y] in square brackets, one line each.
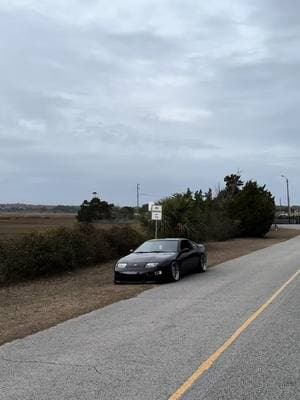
[146, 347]
[289, 226]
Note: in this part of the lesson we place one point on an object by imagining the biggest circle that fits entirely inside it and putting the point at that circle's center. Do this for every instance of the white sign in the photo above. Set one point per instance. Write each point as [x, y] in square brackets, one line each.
[150, 205]
[156, 215]
[156, 208]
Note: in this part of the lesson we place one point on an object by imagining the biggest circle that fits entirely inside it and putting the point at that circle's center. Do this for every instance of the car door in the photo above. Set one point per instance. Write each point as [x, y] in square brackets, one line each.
[195, 256]
[186, 256]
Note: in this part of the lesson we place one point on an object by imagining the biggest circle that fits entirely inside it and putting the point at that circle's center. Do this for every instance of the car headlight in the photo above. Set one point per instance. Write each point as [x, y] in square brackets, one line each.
[121, 265]
[151, 265]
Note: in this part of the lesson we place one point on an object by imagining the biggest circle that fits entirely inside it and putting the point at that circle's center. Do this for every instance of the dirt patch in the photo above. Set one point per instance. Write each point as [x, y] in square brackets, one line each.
[29, 307]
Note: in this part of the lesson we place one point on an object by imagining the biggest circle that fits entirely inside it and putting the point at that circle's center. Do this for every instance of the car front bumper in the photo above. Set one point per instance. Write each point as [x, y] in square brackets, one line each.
[138, 276]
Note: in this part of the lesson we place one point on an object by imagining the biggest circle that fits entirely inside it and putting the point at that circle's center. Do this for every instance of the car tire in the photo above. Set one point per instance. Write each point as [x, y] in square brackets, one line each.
[202, 265]
[174, 272]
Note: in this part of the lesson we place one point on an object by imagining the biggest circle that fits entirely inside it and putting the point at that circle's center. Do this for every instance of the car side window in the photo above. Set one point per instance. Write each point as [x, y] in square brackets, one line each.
[190, 245]
[185, 244]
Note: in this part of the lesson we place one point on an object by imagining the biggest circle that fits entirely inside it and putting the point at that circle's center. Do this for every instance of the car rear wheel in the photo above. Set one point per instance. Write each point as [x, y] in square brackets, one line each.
[202, 266]
[174, 272]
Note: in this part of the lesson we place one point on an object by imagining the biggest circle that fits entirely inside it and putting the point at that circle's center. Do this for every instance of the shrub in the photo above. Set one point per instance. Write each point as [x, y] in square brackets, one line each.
[254, 208]
[42, 254]
[123, 239]
[198, 217]
[237, 210]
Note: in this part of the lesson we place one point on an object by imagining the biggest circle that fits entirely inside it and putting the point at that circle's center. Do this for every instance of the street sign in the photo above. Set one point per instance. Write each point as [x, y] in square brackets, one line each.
[156, 215]
[156, 208]
[150, 205]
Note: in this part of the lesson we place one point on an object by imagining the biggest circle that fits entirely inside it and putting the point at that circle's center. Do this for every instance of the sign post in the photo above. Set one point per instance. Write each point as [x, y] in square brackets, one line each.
[156, 215]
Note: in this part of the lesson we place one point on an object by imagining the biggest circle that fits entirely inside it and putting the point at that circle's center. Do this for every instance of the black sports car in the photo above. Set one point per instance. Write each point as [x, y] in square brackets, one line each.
[162, 260]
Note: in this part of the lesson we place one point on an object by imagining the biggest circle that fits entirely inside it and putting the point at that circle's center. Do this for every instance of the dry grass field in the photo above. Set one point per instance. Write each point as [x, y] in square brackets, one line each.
[29, 307]
[17, 224]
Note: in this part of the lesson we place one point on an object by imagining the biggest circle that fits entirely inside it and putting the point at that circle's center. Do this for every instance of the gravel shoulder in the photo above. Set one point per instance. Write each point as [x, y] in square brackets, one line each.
[29, 307]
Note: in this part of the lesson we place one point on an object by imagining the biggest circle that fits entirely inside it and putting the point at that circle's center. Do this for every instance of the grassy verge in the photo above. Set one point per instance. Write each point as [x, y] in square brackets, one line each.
[32, 306]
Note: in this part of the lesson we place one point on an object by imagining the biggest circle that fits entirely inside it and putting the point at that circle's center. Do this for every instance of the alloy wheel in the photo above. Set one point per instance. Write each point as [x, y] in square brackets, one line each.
[175, 271]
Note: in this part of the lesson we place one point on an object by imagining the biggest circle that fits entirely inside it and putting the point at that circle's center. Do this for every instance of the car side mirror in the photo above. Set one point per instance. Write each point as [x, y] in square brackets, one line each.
[185, 250]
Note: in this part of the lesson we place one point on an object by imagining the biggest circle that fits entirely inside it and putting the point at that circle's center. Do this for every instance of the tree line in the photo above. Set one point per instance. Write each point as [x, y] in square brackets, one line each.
[239, 209]
[99, 210]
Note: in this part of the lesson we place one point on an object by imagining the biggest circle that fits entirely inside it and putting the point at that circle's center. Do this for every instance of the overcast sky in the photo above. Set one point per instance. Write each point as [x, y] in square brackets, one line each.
[98, 95]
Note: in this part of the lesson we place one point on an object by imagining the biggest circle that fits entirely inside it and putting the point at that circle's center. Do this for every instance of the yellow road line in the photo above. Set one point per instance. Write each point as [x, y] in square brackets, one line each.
[213, 358]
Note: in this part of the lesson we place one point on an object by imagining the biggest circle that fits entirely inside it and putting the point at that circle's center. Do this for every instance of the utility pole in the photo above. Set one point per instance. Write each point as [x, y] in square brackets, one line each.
[137, 198]
[288, 196]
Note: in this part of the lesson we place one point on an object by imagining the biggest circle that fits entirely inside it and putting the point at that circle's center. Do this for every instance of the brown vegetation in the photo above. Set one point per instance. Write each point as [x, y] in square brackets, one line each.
[18, 224]
[14, 224]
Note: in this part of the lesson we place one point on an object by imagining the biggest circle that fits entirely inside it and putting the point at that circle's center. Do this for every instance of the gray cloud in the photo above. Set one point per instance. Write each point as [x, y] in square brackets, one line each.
[99, 96]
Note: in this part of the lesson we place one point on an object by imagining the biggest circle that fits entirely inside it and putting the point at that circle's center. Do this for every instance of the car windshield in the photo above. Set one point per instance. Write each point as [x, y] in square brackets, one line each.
[158, 246]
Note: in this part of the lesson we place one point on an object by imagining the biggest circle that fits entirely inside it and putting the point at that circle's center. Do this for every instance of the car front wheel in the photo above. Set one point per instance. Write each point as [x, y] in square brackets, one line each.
[174, 272]
[202, 266]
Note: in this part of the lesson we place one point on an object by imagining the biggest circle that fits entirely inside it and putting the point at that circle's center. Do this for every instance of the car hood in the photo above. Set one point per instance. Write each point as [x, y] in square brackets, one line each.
[147, 257]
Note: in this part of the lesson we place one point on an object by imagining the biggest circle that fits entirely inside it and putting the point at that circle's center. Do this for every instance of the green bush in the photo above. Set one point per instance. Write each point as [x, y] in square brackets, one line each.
[57, 251]
[200, 218]
[94, 210]
[254, 208]
[236, 210]
[123, 239]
